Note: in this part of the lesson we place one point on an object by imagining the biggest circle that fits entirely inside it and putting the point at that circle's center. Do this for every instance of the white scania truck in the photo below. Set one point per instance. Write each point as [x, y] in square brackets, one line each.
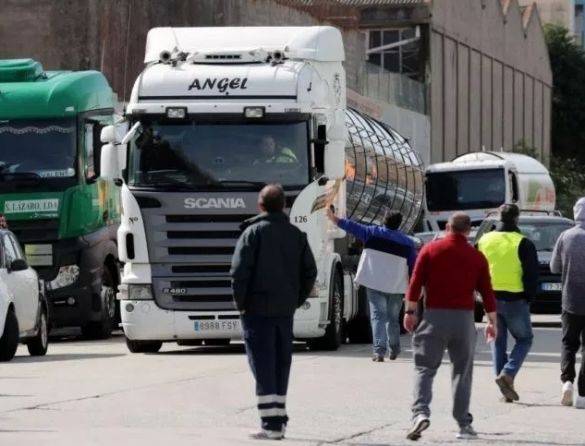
[479, 182]
[216, 114]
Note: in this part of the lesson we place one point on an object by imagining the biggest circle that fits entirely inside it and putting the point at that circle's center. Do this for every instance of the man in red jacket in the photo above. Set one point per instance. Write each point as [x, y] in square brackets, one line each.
[450, 270]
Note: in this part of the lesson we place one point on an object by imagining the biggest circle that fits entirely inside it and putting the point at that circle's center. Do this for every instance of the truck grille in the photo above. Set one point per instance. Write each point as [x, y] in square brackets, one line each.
[191, 253]
[34, 231]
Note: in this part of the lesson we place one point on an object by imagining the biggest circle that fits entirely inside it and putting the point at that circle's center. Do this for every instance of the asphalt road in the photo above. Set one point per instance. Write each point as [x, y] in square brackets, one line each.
[95, 393]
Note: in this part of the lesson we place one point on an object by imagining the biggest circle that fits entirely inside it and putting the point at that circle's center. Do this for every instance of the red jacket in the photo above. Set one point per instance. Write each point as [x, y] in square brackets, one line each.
[451, 270]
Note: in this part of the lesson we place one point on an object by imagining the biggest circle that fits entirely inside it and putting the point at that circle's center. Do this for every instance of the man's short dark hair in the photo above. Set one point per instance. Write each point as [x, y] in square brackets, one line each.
[272, 198]
[509, 213]
[460, 223]
[392, 219]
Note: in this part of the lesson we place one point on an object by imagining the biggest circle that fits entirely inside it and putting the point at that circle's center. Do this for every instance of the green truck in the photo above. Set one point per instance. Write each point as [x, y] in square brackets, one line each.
[51, 193]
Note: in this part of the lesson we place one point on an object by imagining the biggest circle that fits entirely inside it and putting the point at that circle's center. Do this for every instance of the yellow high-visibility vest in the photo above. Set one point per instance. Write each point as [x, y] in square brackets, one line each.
[501, 251]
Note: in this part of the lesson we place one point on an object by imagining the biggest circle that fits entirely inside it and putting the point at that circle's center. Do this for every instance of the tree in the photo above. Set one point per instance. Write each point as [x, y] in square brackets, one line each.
[567, 61]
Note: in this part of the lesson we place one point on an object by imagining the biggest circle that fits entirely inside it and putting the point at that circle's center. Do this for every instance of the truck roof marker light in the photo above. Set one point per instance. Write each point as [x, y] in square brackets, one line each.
[254, 112]
[176, 112]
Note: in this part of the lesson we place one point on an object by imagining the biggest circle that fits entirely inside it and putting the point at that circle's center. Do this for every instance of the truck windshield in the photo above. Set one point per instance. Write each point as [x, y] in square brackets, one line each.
[465, 189]
[193, 155]
[37, 149]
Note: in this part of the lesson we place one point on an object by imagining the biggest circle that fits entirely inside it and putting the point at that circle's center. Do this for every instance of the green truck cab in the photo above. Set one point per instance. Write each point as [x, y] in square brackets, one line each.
[63, 213]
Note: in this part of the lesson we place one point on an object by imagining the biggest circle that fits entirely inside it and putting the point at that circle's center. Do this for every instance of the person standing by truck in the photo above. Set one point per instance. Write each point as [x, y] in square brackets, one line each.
[568, 259]
[273, 271]
[384, 268]
[514, 271]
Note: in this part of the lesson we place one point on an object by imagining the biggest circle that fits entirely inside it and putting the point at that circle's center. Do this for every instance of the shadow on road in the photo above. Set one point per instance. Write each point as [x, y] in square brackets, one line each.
[63, 357]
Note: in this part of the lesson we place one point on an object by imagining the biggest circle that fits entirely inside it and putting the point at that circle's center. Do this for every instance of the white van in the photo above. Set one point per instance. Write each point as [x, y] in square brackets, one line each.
[23, 306]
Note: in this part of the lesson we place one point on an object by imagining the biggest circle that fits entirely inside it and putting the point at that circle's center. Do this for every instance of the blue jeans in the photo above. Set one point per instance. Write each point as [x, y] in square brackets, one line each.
[513, 316]
[384, 316]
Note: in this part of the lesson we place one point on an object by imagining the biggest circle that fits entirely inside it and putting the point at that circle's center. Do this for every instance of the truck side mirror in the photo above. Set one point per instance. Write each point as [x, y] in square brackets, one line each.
[18, 265]
[108, 134]
[110, 169]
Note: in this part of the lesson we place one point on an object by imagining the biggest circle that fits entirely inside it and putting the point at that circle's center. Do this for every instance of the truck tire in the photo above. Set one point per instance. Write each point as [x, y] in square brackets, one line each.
[39, 345]
[478, 312]
[334, 332]
[102, 329]
[9, 339]
[143, 346]
[359, 329]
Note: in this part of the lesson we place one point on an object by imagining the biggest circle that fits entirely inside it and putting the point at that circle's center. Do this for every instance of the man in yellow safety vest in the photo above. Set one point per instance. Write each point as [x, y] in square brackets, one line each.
[513, 264]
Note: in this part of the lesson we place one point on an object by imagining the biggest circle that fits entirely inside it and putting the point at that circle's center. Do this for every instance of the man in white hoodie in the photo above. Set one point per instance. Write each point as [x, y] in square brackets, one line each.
[568, 259]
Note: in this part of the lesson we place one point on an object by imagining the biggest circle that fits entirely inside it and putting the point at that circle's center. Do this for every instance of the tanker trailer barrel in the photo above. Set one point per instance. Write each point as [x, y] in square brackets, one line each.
[383, 172]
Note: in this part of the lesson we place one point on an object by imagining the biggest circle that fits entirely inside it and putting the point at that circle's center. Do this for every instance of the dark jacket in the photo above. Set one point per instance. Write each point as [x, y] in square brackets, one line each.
[273, 268]
[529, 260]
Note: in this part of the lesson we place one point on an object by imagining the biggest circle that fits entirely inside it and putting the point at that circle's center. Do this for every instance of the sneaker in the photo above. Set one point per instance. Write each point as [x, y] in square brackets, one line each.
[580, 402]
[467, 433]
[419, 424]
[394, 355]
[567, 394]
[506, 385]
[378, 358]
[503, 399]
[264, 434]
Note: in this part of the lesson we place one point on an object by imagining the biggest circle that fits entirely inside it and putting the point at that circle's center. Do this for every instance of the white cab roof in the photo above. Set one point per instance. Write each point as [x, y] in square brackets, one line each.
[319, 43]
[487, 160]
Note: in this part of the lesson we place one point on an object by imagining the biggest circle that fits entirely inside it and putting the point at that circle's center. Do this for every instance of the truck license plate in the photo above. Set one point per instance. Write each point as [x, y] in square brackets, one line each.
[551, 286]
[222, 325]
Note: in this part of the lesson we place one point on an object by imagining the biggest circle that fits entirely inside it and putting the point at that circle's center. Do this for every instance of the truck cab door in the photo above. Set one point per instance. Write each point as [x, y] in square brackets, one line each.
[22, 283]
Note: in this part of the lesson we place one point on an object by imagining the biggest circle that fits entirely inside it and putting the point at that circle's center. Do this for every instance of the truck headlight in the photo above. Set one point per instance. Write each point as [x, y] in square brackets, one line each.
[139, 292]
[67, 275]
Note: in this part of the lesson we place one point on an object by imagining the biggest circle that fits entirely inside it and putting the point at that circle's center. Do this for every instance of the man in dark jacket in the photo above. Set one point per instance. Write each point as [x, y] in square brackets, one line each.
[514, 267]
[273, 272]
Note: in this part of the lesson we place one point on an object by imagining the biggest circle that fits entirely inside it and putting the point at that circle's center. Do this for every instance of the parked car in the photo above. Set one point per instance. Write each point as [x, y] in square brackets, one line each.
[23, 306]
[543, 231]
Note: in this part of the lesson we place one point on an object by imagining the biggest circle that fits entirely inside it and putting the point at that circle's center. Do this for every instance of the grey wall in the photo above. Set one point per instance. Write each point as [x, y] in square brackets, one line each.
[490, 78]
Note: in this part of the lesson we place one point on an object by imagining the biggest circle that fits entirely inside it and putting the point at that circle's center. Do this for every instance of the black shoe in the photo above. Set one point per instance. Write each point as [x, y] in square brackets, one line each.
[419, 424]
[394, 355]
[378, 358]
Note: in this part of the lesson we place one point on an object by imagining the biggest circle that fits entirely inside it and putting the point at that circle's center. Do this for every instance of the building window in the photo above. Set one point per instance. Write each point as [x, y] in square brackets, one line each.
[398, 53]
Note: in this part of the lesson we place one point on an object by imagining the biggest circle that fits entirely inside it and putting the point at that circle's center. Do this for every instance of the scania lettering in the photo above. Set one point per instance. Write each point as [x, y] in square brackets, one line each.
[63, 212]
[216, 203]
[192, 163]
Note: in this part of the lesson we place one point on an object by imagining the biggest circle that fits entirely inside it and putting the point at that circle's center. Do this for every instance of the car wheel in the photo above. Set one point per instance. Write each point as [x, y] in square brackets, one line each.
[143, 346]
[102, 329]
[9, 339]
[39, 345]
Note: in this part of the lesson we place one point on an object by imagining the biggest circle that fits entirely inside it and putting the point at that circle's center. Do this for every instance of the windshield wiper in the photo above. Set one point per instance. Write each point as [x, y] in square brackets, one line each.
[259, 184]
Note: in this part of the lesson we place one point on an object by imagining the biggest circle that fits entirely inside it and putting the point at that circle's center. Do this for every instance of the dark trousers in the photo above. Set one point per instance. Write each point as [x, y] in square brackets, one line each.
[573, 339]
[269, 346]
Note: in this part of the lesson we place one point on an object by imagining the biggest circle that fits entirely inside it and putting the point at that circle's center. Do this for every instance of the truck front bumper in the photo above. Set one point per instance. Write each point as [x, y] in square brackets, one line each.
[143, 320]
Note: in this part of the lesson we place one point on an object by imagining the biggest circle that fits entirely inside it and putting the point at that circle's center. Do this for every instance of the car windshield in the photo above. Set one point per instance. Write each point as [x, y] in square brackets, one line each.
[465, 189]
[544, 235]
[193, 155]
[37, 148]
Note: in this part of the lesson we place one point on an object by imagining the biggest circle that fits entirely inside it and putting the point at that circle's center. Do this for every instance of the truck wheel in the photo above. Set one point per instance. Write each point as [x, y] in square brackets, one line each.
[143, 346]
[38, 345]
[359, 329]
[9, 340]
[478, 313]
[102, 329]
[334, 331]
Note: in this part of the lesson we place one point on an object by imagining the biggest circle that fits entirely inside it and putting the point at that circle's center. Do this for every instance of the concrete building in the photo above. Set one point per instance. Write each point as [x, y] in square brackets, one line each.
[452, 76]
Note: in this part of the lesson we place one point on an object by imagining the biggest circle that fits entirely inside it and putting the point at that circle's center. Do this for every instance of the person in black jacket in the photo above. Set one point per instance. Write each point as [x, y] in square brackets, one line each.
[273, 272]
